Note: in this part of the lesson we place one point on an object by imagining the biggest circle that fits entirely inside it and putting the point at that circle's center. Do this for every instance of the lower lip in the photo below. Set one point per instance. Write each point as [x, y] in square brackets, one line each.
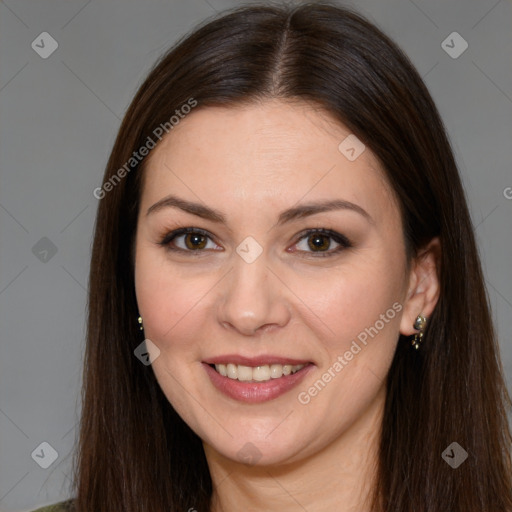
[256, 392]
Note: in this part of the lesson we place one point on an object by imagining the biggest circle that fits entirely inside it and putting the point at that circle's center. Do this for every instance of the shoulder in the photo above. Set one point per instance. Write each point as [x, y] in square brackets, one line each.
[63, 506]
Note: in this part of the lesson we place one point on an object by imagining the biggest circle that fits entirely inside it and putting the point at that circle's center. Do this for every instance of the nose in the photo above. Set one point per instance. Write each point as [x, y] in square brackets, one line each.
[254, 300]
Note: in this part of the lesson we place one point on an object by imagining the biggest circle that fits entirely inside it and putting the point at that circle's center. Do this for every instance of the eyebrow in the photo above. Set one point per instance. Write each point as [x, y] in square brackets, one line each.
[296, 212]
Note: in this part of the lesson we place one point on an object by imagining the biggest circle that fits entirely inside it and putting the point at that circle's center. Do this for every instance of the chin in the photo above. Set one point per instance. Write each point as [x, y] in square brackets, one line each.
[253, 449]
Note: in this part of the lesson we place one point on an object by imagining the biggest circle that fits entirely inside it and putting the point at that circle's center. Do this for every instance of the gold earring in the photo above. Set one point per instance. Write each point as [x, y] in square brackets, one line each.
[419, 325]
[140, 323]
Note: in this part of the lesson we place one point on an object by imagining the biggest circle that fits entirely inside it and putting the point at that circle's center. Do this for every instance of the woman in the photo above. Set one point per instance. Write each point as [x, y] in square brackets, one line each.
[286, 308]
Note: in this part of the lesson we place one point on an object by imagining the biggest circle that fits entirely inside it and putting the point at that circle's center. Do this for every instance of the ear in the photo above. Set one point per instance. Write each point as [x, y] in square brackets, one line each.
[424, 287]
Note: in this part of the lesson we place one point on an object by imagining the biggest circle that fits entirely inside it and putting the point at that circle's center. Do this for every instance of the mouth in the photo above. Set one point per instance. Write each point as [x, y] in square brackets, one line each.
[263, 373]
[255, 380]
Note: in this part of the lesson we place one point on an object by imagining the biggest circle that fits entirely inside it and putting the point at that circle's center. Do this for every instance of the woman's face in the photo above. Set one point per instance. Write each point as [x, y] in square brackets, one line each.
[255, 285]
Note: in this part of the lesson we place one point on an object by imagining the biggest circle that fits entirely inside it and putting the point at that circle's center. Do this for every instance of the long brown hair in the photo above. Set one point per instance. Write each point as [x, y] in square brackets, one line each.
[135, 453]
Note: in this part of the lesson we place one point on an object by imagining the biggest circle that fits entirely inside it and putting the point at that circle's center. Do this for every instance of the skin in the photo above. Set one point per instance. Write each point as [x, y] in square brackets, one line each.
[251, 163]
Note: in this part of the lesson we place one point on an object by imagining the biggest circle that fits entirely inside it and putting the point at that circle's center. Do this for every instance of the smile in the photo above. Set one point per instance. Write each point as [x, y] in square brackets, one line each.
[256, 373]
[258, 379]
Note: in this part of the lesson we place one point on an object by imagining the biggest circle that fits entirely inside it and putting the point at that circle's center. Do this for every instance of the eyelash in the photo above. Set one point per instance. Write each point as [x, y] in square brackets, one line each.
[337, 237]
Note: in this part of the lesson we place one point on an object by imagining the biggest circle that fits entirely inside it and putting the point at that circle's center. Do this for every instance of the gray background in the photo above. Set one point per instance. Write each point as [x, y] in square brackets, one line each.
[59, 118]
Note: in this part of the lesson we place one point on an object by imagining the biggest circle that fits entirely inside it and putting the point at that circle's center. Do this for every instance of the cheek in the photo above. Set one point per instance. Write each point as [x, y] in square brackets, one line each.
[362, 309]
[360, 301]
[168, 301]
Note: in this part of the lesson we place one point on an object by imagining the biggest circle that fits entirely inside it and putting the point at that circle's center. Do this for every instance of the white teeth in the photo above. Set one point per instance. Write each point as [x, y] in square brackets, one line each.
[232, 371]
[261, 373]
[244, 373]
[276, 371]
[257, 373]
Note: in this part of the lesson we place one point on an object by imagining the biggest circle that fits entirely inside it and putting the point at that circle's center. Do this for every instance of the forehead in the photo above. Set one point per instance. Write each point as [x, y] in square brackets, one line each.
[271, 151]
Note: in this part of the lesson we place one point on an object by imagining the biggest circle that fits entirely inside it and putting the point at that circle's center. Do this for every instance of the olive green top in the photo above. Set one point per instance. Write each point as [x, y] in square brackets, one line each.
[63, 506]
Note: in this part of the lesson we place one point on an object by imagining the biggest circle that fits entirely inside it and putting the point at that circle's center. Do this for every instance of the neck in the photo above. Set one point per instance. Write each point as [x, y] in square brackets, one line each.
[339, 478]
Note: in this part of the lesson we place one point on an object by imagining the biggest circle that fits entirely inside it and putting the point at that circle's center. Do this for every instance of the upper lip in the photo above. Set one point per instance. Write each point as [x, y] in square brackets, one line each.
[261, 360]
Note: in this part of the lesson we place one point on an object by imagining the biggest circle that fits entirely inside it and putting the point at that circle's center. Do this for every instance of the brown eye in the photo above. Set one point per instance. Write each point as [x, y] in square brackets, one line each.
[188, 240]
[195, 241]
[319, 241]
[322, 242]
